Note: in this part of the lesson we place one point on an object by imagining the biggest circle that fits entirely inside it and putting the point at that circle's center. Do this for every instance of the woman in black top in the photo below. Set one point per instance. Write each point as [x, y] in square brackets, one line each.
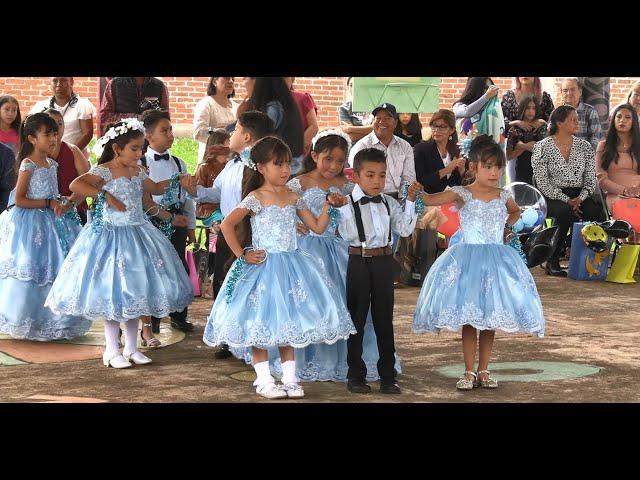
[409, 128]
[437, 161]
[522, 137]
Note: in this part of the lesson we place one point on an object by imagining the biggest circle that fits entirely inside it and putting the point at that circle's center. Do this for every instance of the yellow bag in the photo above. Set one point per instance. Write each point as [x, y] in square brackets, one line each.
[624, 265]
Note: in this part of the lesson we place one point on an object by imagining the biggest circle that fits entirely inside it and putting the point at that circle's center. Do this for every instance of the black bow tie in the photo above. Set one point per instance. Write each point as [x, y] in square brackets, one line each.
[376, 199]
[237, 159]
[164, 156]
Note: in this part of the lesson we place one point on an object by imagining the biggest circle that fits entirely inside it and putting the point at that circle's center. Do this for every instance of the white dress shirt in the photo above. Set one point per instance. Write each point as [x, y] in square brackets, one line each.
[375, 220]
[401, 166]
[160, 170]
[227, 188]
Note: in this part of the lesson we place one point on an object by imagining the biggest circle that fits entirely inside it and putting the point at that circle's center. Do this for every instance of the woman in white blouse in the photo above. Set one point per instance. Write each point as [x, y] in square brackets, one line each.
[216, 110]
[564, 170]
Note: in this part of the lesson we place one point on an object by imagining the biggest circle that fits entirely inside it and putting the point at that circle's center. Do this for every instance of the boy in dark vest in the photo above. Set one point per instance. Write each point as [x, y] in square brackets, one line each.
[367, 223]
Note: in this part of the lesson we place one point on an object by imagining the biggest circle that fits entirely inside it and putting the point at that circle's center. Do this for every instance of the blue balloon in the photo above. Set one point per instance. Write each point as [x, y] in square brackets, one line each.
[541, 218]
[529, 217]
[455, 238]
[518, 226]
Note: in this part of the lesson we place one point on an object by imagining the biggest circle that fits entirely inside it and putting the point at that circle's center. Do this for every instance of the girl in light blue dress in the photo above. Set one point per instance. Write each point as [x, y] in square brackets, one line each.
[121, 266]
[480, 283]
[323, 174]
[276, 294]
[35, 235]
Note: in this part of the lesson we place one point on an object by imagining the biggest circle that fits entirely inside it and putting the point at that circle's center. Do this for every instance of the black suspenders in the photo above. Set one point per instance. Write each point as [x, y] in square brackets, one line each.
[362, 237]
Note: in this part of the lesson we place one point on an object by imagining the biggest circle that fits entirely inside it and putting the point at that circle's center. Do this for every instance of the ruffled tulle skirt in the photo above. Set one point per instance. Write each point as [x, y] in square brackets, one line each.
[486, 286]
[121, 273]
[33, 244]
[289, 300]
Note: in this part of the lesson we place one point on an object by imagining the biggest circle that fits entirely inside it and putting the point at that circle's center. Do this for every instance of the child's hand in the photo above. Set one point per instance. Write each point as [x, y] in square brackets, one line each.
[302, 229]
[179, 221]
[336, 200]
[61, 207]
[414, 189]
[188, 182]
[56, 207]
[255, 256]
[115, 203]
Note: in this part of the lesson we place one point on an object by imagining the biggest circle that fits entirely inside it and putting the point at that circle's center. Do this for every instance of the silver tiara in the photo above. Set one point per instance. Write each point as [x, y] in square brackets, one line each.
[327, 133]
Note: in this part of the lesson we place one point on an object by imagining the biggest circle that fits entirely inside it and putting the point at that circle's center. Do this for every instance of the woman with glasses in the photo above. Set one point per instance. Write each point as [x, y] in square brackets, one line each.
[216, 110]
[438, 162]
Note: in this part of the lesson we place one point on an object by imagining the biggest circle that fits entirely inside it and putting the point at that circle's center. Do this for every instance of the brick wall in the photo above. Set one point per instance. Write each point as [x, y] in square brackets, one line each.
[328, 92]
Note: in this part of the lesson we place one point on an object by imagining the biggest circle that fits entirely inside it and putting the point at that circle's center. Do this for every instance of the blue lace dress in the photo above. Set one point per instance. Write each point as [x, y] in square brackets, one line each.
[121, 266]
[480, 281]
[288, 300]
[33, 245]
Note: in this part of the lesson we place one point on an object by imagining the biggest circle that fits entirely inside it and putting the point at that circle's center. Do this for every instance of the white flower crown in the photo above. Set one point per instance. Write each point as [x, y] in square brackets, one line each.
[327, 133]
[245, 155]
[114, 132]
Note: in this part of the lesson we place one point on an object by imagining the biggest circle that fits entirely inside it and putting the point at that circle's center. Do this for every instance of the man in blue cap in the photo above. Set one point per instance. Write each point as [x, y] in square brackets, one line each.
[400, 164]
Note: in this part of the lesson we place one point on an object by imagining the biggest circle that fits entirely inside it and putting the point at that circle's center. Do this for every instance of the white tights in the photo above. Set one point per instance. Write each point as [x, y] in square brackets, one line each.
[111, 332]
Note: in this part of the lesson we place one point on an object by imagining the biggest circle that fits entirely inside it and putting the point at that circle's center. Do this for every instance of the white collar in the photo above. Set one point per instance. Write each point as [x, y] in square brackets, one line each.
[358, 193]
[151, 152]
[375, 139]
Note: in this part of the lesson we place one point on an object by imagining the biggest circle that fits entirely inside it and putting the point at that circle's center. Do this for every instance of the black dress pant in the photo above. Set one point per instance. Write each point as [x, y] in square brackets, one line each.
[370, 283]
[179, 242]
[565, 216]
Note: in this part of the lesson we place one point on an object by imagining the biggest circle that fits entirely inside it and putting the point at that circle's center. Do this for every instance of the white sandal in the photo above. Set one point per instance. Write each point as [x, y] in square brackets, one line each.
[465, 383]
[487, 382]
[294, 390]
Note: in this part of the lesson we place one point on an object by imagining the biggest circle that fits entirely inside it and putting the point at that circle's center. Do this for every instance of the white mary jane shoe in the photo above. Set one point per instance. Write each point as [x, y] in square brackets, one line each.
[271, 390]
[294, 390]
[115, 360]
[138, 358]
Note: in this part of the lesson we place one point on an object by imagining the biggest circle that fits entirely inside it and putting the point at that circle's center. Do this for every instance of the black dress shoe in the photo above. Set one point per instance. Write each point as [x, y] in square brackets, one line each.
[358, 386]
[185, 326]
[553, 268]
[155, 325]
[389, 388]
[223, 352]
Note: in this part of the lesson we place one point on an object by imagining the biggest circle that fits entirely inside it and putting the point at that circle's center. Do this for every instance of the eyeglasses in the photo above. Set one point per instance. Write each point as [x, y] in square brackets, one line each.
[439, 127]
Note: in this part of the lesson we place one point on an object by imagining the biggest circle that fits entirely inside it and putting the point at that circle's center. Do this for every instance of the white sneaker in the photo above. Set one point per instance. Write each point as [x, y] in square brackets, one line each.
[138, 358]
[115, 360]
[271, 390]
[294, 390]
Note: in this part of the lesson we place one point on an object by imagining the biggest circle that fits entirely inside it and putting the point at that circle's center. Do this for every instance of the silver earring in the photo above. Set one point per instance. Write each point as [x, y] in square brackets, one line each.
[450, 138]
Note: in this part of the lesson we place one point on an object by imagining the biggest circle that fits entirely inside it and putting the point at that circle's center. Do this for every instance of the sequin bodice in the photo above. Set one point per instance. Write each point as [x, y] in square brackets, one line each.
[129, 192]
[44, 180]
[482, 222]
[273, 228]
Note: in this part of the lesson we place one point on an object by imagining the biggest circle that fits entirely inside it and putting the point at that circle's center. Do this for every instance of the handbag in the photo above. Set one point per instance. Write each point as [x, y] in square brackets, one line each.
[624, 264]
